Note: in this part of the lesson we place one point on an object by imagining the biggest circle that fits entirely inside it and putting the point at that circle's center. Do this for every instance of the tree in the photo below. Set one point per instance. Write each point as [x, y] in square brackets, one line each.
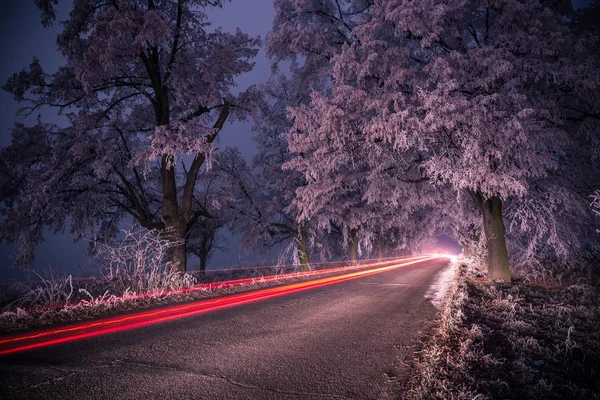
[311, 33]
[472, 94]
[308, 34]
[212, 201]
[350, 195]
[145, 83]
[278, 186]
[259, 206]
[264, 191]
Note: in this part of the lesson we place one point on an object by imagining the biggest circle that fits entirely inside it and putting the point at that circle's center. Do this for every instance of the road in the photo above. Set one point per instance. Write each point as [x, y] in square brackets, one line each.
[342, 341]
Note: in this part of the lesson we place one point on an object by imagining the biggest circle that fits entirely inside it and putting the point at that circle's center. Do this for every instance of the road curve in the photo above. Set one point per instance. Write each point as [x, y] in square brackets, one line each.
[341, 341]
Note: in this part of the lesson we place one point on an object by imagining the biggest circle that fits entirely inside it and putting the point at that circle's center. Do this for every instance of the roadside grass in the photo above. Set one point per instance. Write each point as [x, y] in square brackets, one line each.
[55, 299]
[133, 274]
[537, 338]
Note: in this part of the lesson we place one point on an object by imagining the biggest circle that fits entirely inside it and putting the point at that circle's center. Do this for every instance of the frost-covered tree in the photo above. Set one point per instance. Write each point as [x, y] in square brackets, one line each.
[278, 186]
[312, 32]
[145, 83]
[308, 34]
[261, 194]
[472, 95]
[212, 201]
[358, 186]
[353, 199]
[265, 191]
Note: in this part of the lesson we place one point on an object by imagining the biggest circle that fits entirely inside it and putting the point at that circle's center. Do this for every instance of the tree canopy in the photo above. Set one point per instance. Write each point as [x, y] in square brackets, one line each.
[383, 122]
[483, 97]
[145, 83]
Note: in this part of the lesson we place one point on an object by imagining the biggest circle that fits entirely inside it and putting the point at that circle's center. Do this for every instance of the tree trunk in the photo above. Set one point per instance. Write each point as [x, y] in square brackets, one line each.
[353, 247]
[379, 249]
[203, 262]
[493, 228]
[178, 256]
[303, 249]
[177, 252]
[175, 228]
[174, 225]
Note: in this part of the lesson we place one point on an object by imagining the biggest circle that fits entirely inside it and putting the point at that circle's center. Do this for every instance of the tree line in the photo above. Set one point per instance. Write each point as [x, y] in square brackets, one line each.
[384, 123]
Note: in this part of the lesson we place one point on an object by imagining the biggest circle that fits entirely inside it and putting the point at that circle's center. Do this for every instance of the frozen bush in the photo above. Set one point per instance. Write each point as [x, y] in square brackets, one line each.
[138, 264]
[50, 292]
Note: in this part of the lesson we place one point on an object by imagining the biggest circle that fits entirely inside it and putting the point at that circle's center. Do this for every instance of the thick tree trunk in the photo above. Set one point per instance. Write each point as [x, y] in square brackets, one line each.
[493, 228]
[354, 253]
[175, 227]
[177, 252]
[303, 249]
[178, 256]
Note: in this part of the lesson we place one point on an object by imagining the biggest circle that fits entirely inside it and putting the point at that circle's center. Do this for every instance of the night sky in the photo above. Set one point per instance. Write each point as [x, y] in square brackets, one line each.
[24, 38]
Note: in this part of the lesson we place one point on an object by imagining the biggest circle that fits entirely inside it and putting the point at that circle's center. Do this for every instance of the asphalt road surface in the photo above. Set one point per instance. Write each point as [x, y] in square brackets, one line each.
[345, 341]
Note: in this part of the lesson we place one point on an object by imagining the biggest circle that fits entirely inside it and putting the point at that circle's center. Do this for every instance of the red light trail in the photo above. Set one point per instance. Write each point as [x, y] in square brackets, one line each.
[33, 340]
[240, 281]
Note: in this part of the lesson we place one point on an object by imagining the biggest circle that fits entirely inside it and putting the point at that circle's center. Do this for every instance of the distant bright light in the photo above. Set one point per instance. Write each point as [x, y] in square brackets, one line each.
[452, 257]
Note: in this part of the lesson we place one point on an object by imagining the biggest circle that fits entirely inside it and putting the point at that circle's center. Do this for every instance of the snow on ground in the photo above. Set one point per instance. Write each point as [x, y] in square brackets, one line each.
[439, 287]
